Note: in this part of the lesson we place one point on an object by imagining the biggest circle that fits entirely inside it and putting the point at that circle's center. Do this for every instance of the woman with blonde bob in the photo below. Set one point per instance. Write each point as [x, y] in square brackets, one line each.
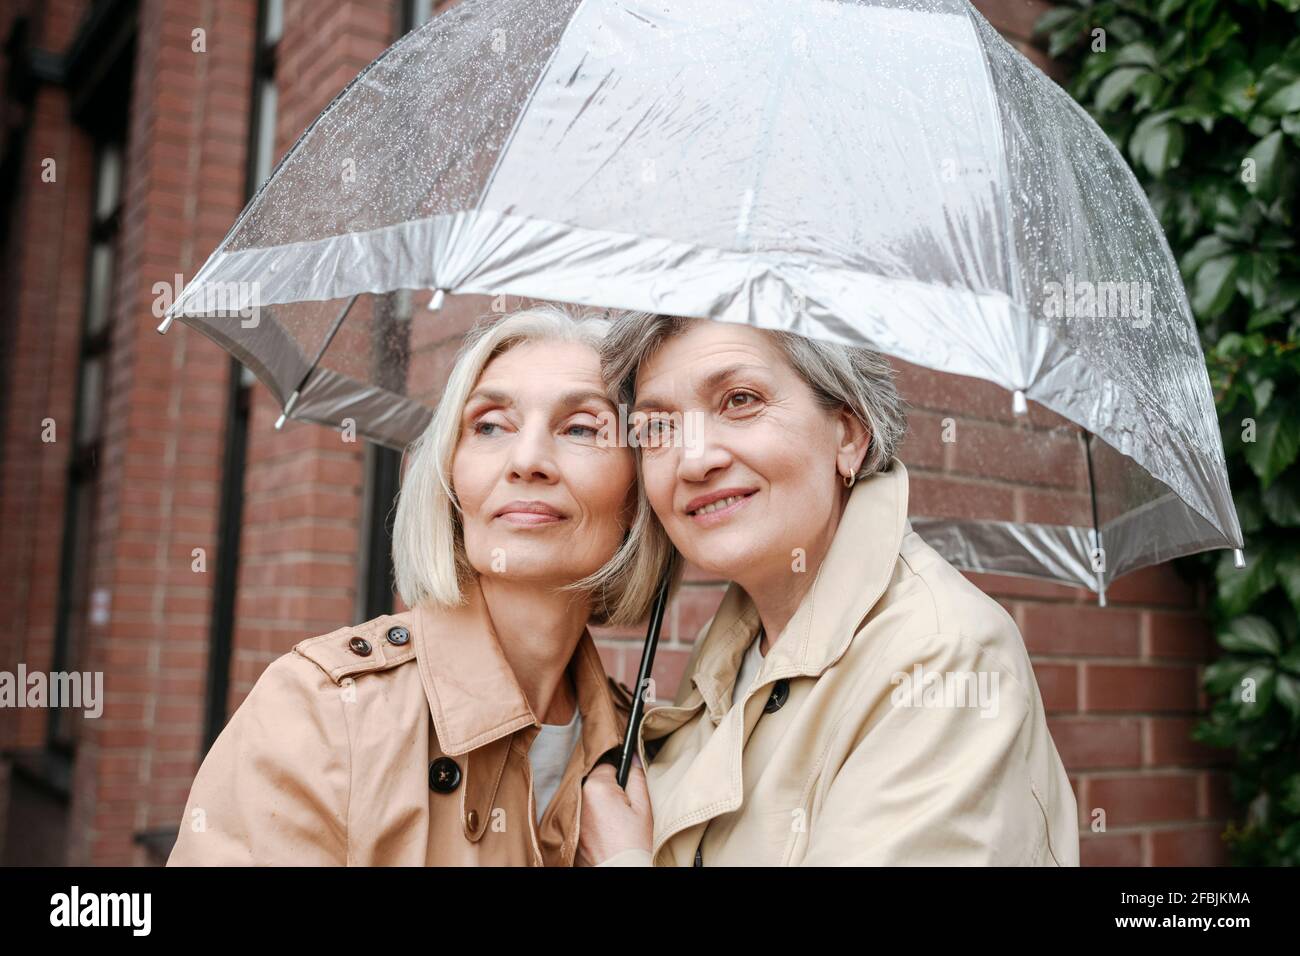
[457, 732]
[855, 699]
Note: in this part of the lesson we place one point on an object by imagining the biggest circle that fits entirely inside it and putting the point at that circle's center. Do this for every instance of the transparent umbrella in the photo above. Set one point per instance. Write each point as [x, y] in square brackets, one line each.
[882, 172]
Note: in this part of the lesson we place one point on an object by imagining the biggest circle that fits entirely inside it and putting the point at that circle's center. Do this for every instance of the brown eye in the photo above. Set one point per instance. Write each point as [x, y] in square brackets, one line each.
[748, 399]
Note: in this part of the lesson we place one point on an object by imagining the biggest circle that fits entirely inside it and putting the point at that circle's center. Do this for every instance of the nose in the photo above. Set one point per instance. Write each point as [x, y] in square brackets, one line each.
[708, 456]
[532, 455]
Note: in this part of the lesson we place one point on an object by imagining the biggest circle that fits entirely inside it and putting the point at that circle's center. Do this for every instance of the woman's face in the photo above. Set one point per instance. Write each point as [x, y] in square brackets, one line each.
[542, 499]
[760, 485]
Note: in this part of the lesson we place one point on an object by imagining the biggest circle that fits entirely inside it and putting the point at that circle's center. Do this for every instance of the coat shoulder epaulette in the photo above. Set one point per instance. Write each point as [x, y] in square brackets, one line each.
[379, 644]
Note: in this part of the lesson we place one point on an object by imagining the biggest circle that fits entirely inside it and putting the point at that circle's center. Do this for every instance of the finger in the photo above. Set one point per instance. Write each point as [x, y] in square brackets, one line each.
[638, 793]
[601, 775]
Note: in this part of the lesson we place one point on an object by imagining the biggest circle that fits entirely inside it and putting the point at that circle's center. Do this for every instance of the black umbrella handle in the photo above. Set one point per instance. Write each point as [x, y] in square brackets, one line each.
[643, 676]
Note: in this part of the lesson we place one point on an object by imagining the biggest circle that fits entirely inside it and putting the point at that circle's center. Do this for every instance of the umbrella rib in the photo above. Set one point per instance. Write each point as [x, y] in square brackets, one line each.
[320, 354]
[1096, 527]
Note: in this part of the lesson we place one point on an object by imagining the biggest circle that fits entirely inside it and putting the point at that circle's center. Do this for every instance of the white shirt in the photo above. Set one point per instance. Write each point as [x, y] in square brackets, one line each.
[549, 756]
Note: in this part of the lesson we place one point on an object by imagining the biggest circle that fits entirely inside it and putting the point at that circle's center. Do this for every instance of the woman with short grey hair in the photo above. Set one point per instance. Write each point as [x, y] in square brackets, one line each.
[855, 699]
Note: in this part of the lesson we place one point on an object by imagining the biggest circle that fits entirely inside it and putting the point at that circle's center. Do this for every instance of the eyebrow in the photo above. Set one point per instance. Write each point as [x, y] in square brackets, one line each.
[709, 384]
[582, 396]
[567, 400]
[491, 396]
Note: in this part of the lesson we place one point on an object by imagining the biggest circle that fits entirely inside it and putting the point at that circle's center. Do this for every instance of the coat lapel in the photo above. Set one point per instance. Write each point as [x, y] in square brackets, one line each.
[477, 707]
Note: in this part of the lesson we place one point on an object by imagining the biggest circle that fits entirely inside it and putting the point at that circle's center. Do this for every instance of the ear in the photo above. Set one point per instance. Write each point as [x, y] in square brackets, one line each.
[854, 439]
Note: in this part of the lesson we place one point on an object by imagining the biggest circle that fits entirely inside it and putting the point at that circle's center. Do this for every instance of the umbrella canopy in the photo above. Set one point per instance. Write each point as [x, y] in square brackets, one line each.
[882, 172]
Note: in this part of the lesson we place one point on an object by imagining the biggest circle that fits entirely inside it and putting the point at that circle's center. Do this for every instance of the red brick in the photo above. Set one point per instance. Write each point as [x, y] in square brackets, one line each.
[1058, 684]
[691, 608]
[1097, 743]
[1171, 745]
[1080, 630]
[1110, 849]
[1141, 798]
[1153, 688]
[1189, 846]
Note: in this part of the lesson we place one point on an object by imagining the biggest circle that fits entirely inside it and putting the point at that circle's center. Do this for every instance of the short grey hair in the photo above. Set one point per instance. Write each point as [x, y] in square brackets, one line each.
[854, 377]
[429, 559]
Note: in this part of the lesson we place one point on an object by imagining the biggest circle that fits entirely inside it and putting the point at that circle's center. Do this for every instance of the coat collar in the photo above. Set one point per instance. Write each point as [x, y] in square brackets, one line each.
[477, 704]
[849, 582]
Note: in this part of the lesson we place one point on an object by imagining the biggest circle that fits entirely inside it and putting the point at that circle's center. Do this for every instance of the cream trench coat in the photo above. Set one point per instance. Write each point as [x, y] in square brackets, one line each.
[848, 750]
[401, 741]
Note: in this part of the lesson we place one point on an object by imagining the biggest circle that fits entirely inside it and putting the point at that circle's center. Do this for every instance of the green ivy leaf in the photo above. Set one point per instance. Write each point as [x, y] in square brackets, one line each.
[1256, 275]
[1265, 678]
[1224, 675]
[1116, 86]
[1137, 54]
[1264, 318]
[1267, 155]
[1282, 503]
[1250, 634]
[1288, 572]
[1250, 511]
[1276, 444]
[1157, 143]
[1054, 19]
[1279, 89]
[1214, 286]
[1239, 587]
[1236, 87]
[1206, 248]
[1287, 693]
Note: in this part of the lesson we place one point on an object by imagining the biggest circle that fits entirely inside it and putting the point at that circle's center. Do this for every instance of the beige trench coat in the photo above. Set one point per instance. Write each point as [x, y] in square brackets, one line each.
[848, 750]
[402, 741]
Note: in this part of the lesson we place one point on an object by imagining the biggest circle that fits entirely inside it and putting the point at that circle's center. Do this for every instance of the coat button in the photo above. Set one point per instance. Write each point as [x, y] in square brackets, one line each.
[398, 635]
[360, 646]
[780, 694]
[471, 820]
[444, 775]
[699, 856]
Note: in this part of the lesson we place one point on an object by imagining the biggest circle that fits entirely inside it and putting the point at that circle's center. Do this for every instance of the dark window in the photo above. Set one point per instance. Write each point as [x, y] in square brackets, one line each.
[76, 606]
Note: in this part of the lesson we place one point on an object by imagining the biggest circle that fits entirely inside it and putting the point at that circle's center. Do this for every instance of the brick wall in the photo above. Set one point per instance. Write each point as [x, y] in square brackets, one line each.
[45, 285]
[164, 431]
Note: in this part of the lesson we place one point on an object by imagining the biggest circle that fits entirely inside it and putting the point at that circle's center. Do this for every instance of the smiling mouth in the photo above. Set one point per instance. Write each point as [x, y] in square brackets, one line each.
[722, 504]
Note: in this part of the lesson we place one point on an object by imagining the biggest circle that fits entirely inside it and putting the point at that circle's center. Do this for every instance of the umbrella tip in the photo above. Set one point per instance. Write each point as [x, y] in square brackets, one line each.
[288, 407]
[1238, 558]
[165, 325]
[436, 302]
[1018, 404]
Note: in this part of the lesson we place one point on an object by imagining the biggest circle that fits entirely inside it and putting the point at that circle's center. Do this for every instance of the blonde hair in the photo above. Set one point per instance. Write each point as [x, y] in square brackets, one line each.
[429, 558]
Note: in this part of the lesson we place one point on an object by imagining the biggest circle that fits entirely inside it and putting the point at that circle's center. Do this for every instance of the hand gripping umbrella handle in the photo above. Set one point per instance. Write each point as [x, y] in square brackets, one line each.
[643, 676]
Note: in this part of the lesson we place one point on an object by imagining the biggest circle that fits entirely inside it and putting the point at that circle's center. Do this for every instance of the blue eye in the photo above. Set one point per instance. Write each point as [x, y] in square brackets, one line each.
[587, 430]
[479, 426]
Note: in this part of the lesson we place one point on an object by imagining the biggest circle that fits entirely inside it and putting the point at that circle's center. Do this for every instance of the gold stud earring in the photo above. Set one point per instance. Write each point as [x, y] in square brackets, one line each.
[848, 480]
